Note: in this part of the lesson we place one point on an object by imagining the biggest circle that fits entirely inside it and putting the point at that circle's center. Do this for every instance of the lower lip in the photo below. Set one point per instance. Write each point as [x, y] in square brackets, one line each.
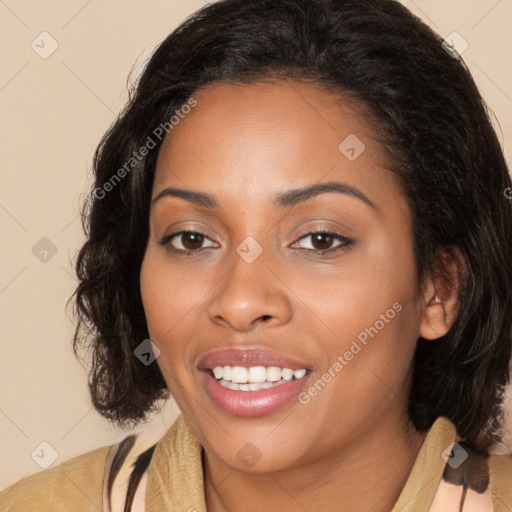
[252, 404]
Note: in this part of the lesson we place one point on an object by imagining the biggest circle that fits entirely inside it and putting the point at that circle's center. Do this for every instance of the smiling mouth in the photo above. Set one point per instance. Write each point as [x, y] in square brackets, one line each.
[253, 391]
[255, 378]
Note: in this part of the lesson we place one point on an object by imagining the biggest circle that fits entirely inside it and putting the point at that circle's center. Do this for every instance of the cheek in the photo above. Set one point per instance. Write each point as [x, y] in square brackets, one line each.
[153, 286]
[353, 300]
[371, 311]
[166, 293]
[170, 300]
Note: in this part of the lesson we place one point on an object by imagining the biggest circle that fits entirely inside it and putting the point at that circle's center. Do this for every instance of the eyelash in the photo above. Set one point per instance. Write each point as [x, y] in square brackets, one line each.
[345, 242]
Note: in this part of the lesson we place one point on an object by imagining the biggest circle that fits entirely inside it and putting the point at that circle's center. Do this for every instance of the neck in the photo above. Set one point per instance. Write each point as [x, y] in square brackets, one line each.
[368, 474]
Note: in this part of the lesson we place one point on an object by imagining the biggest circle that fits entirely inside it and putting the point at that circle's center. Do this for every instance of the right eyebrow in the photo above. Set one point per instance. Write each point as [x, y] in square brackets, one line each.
[199, 198]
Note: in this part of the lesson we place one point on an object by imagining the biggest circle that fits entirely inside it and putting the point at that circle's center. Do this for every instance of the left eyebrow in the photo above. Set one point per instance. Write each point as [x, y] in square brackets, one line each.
[285, 199]
[293, 197]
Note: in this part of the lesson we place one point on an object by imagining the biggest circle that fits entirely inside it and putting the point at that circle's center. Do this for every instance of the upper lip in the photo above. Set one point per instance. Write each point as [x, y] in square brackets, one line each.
[248, 357]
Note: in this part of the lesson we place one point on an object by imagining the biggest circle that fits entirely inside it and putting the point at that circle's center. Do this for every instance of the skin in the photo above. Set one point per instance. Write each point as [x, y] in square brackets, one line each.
[245, 144]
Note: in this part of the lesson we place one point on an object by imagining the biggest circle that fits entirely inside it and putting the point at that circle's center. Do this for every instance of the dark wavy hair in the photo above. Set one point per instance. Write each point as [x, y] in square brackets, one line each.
[435, 129]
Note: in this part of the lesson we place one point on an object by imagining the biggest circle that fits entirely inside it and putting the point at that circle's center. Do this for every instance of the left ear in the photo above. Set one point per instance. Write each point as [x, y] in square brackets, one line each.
[440, 293]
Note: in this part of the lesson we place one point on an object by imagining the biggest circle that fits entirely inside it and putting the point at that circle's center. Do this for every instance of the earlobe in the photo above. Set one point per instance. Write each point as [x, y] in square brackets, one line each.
[434, 323]
[441, 294]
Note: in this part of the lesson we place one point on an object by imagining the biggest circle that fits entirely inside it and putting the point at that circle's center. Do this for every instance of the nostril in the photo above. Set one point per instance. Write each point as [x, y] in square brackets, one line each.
[266, 317]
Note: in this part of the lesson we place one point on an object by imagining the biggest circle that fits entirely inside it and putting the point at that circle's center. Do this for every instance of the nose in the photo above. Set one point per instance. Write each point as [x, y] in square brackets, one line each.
[250, 294]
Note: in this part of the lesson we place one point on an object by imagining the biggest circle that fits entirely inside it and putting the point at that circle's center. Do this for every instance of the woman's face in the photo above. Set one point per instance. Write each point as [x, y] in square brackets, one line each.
[346, 307]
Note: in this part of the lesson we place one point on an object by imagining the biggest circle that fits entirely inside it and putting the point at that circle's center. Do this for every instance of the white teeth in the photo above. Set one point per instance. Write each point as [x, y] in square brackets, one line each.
[298, 374]
[238, 374]
[226, 372]
[256, 374]
[274, 373]
[287, 374]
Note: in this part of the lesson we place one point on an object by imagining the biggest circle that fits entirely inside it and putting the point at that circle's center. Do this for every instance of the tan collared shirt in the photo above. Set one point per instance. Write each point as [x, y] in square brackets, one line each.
[173, 481]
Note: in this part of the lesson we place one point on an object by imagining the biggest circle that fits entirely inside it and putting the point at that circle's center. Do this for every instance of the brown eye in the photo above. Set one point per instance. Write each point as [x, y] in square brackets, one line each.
[191, 240]
[322, 242]
[185, 241]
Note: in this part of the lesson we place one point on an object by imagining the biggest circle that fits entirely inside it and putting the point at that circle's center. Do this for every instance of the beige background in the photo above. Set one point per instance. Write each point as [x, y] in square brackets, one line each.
[53, 113]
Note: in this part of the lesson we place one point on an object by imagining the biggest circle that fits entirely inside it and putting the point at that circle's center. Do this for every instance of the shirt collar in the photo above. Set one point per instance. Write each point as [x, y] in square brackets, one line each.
[175, 475]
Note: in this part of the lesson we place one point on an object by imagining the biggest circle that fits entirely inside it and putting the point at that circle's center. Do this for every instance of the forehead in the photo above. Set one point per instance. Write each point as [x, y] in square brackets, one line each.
[243, 138]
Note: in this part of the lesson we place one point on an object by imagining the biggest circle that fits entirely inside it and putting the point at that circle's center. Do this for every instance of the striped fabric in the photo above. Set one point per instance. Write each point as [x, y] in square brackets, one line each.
[447, 476]
[136, 475]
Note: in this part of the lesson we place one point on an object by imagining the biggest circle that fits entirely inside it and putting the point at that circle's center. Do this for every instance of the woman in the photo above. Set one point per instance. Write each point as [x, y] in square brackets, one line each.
[299, 230]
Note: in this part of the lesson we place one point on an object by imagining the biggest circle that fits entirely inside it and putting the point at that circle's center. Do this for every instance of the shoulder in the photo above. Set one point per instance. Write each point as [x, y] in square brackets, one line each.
[72, 485]
[500, 476]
